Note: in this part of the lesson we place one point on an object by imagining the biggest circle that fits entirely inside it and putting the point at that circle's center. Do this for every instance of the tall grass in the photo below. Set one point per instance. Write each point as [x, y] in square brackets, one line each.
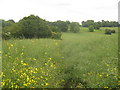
[92, 57]
[31, 63]
[79, 60]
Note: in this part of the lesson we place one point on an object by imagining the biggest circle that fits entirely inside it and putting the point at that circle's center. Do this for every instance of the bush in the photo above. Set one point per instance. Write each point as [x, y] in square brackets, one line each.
[112, 31]
[56, 35]
[74, 27]
[91, 28]
[108, 31]
[6, 35]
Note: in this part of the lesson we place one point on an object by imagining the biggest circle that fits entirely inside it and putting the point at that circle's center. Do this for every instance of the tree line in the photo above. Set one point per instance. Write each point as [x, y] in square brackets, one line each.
[99, 24]
[35, 27]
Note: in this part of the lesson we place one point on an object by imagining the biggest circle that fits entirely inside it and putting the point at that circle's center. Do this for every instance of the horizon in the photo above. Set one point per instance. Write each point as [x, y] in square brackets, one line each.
[58, 20]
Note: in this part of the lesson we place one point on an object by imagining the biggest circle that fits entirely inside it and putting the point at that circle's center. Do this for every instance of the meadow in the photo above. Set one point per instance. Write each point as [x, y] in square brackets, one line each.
[79, 60]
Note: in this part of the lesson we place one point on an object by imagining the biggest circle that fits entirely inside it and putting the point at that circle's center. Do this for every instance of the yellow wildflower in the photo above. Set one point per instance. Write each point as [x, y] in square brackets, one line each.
[11, 45]
[45, 63]
[41, 76]
[3, 83]
[51, 65]
[25, 84]
[22, 53]
[107, 75]
[114, 69]
[118, 82]
[24, 64]
[36, 69]
[46, 79]
[105, 87]
[21, 61]
[18, 79]
[34, 59]
[56, 43]
[49, 58]
[46, 84]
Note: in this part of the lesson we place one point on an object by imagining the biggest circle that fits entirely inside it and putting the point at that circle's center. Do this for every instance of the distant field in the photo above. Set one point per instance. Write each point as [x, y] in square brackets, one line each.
[79, 60]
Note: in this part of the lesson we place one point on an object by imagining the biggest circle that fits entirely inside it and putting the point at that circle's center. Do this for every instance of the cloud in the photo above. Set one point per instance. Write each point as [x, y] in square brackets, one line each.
[63, 4]
[52, 10]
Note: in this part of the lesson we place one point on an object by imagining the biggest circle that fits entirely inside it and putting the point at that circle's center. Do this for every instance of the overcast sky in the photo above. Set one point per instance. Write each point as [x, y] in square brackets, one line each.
[52, 10]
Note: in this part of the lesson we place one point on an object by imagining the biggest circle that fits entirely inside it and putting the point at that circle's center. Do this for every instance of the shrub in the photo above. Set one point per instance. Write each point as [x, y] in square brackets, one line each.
[56, 35]
[91, 28]
[108, 31]
[6, 35]
[112, 31]
[74, 27]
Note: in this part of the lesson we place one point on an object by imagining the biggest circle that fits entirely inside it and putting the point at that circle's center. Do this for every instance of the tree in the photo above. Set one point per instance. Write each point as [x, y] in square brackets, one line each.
[108, 31]
[11, 20]
[11, 31]
[30, 27]
[6, 23]
[96, 25]
[99, 24]
[74, 27]
[87, 23]
[62, 25]
[33, 26]
[91, 28]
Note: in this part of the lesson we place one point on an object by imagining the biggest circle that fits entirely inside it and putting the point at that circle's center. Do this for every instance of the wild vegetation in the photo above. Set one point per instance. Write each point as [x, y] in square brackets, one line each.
[35, 27]
[40, 54]
[99, 24]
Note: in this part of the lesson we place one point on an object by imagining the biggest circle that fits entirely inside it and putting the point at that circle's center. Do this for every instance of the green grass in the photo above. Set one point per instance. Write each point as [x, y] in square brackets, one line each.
[79, 60]
[93, 58]
[31, 63]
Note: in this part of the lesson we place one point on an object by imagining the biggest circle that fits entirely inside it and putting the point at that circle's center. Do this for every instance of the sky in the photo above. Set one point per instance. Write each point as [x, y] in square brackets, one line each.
[53, 10]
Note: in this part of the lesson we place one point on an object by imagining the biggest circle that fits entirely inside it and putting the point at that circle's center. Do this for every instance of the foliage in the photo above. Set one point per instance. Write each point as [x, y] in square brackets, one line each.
[49, 63]
[33, 26]
[108, 31]
[6, 35]
[31, 63]
[91, 28]
[55, 29]
[74, 27]
[62, 25]
[11, 31]
[87, 23]
[56, 35]
[97, 25]
[109, 24]
[29, 27]
[113, 31]
[100, 24]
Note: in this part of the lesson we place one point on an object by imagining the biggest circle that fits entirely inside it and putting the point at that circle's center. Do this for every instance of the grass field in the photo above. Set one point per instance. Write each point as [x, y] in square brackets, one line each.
[79, 60]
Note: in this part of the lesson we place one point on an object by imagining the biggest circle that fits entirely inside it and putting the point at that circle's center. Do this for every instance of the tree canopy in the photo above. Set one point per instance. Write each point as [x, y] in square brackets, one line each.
[35, 27]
